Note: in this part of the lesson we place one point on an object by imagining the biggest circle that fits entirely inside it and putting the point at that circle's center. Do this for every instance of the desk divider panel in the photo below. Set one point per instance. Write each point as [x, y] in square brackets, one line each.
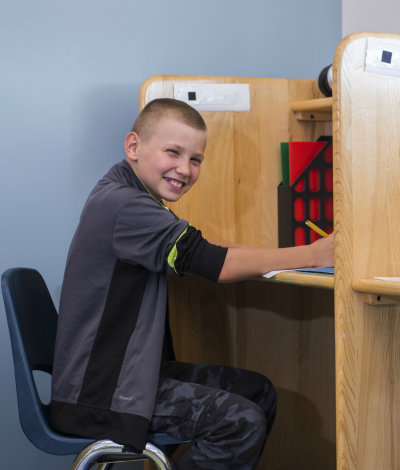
[285, 332]
[235, 199]
[366, 162]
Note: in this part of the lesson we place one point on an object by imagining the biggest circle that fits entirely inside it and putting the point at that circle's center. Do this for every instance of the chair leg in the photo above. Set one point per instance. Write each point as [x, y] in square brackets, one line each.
[99, 452]
[104, 452]
[161, 460]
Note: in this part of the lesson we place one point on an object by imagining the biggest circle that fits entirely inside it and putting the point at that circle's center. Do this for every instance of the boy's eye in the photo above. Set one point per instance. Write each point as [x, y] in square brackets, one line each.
[175, 152]
[196, 160]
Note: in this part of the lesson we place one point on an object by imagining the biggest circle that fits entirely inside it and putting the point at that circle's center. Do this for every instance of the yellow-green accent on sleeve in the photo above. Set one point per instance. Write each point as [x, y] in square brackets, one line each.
[173, 254]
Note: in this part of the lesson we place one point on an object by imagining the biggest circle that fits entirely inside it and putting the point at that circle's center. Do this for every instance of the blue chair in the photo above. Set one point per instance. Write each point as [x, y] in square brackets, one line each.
[32, 321]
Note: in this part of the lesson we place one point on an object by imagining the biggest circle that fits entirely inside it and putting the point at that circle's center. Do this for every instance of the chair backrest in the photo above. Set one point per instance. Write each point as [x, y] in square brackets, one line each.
[32, 321]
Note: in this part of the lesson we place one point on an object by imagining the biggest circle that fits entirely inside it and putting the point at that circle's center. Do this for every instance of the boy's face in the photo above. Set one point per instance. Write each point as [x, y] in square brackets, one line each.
[169, 162]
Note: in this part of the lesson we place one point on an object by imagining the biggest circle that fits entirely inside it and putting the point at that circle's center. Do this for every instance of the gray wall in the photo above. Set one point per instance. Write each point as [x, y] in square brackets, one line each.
[370, 15]
[70, 77]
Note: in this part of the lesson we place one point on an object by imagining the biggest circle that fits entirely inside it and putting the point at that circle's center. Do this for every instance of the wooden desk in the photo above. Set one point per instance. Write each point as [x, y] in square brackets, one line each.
[300, 336]
[321, 281]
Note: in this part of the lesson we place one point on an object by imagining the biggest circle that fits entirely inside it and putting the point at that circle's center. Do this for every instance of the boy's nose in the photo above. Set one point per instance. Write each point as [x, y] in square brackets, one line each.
[183, 169]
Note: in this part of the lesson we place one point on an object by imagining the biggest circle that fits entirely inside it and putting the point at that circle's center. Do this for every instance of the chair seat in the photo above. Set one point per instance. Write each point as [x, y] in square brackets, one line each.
[60, 444]
[32, 320]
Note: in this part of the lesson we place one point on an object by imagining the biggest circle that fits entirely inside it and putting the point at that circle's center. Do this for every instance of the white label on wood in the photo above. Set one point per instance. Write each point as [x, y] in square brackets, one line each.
[383, 56]
[214, 97]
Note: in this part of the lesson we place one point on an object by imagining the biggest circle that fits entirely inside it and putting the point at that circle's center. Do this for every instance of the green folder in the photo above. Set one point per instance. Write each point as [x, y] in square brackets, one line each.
[285, 163]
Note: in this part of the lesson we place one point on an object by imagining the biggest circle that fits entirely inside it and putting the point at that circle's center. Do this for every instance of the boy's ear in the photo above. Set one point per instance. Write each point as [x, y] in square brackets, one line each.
[131, 146]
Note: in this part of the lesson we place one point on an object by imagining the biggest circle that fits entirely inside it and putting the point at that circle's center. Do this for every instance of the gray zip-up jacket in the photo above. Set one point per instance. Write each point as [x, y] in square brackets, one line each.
[112, 308]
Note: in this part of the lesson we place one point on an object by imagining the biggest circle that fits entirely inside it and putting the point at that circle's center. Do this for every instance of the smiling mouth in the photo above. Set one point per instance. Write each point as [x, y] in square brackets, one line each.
[175, 183]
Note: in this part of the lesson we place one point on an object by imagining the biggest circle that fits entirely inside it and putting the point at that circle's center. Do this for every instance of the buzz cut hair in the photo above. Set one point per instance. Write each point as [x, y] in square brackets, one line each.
[161, 108]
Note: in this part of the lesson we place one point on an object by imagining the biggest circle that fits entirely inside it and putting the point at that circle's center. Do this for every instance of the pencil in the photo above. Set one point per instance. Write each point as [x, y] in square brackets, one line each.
[316, 229]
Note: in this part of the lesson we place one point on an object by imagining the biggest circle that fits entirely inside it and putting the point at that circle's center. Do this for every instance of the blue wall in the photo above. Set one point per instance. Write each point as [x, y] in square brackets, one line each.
[70, 74]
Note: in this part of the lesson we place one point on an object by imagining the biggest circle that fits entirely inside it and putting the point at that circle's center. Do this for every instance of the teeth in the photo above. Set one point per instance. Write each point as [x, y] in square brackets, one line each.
[174, 183]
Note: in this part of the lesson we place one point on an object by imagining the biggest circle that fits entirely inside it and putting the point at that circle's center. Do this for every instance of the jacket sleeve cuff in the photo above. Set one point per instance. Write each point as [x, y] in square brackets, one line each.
[211, 261]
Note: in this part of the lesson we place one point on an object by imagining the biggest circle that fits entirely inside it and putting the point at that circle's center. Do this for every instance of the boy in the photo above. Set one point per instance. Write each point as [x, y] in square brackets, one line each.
[108, 379]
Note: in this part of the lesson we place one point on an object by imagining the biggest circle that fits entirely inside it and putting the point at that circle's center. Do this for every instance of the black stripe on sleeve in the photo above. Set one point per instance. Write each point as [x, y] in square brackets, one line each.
[211, 262]
[197, 256]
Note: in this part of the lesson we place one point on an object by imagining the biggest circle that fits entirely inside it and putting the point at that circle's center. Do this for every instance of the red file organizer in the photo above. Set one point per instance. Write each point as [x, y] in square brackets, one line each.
[309, 197]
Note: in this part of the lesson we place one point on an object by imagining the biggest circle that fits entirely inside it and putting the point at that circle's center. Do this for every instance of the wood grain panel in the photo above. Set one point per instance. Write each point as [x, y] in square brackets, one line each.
[201, 335]
[367, 222]
[284, 332]
[235, 199]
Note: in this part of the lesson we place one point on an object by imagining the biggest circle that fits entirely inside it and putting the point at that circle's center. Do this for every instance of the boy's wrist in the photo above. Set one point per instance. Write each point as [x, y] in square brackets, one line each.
[311, 256]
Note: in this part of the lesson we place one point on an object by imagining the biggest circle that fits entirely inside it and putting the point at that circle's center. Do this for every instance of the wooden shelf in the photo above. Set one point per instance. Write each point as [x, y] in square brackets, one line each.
[320, 105]
[376, 286]
[377, 292]
[313, 110]
[322, 281]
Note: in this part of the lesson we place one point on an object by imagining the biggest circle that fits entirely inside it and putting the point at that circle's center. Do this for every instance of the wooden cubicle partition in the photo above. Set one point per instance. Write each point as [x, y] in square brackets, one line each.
[235, 199]
[366, 118]
[285, 332]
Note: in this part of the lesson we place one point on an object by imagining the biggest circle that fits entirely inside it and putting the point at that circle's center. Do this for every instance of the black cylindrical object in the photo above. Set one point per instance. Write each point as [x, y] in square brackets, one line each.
[324, 81]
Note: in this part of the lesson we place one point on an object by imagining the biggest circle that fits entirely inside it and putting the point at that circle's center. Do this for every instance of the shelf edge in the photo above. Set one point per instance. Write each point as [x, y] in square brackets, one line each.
[376, 286]
[322, 105]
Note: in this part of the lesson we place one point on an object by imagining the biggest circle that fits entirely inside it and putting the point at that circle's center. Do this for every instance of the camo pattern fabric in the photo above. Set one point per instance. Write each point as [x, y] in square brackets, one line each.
[226, 412]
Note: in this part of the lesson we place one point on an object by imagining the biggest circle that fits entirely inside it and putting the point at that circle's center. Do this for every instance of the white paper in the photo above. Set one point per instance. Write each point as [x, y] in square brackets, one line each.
[394, 279]
[273, 273]
[374, 56]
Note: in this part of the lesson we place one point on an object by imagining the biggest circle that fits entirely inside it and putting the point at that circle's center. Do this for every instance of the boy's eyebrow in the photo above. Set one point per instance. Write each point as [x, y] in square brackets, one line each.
[176, 146]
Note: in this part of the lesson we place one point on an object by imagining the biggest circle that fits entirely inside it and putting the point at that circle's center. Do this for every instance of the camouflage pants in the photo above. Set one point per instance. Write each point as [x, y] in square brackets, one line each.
[226, 412]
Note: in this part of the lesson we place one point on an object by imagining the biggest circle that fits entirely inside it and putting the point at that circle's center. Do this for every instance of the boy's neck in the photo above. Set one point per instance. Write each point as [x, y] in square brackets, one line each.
[130, 163]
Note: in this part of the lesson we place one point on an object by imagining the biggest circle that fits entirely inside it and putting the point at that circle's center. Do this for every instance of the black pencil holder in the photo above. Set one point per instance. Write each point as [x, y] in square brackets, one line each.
[299, 202]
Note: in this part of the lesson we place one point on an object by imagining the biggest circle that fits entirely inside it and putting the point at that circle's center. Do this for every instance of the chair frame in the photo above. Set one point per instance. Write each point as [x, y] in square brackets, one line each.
[37, 428]
[105, 452]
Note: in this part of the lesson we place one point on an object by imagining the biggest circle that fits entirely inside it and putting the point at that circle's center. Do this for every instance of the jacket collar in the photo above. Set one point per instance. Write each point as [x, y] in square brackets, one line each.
[123, 173]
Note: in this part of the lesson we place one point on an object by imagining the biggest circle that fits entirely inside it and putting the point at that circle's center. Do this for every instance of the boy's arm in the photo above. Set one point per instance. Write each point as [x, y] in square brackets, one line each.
[245, 262]
[228, 245]
[147, 234]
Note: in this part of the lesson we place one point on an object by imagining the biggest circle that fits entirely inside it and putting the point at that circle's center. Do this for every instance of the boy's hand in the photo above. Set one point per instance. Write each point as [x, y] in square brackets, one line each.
[322, 250]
